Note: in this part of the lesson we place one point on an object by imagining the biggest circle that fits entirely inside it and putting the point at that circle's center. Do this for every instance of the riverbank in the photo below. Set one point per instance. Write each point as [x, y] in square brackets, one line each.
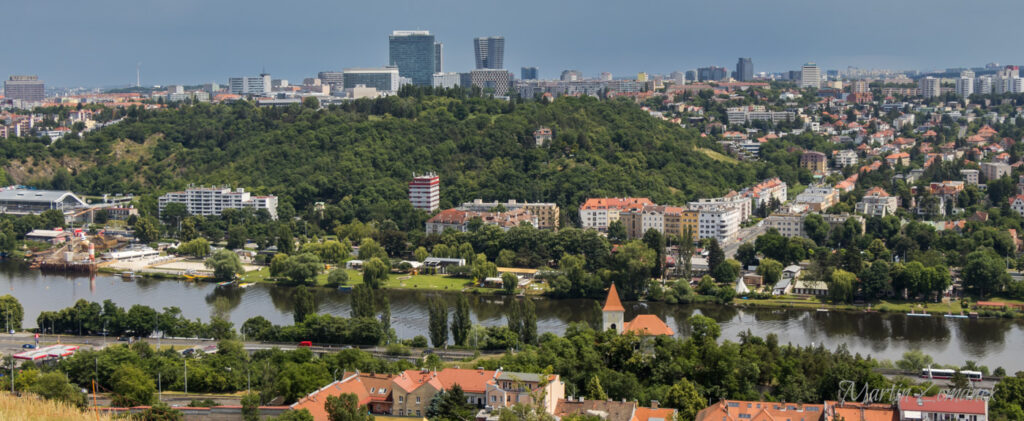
[952, 307]
[403, 281]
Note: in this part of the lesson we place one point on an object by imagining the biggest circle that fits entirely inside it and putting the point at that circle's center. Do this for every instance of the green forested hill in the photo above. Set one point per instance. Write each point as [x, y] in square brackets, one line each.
[362, 155]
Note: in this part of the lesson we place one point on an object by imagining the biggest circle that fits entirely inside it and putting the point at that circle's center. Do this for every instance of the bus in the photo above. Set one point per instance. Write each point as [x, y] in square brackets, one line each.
[943, 373]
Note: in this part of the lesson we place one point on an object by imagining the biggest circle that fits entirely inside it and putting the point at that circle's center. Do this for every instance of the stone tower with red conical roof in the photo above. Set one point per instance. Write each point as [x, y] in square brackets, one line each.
[613, 314]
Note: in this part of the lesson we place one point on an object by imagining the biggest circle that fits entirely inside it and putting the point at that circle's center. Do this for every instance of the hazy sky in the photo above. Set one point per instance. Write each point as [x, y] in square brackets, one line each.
[99, 42]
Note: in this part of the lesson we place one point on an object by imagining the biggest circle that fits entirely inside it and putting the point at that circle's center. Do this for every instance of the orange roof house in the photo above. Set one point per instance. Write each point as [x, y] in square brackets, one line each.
[613, 315]
[731, 410]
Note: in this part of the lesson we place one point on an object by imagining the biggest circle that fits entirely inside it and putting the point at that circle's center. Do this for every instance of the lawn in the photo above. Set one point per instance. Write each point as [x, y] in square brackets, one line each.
[894, 306]
[395, 281]
[718, 156]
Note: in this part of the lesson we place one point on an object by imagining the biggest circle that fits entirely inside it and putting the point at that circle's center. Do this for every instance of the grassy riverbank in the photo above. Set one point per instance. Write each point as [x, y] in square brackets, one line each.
[884, 306]
[397, 281]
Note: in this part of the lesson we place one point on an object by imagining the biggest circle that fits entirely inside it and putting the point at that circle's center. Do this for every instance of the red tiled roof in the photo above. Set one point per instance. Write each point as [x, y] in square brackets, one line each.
[617, 203]
[941, 403]
[613, 303]
[647, 325]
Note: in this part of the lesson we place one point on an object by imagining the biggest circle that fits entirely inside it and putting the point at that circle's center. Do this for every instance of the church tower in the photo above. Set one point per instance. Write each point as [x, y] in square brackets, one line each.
[613, 314]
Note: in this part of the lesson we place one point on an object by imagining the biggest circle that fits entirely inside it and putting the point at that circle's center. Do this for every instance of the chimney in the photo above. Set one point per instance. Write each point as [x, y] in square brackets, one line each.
[654, 404]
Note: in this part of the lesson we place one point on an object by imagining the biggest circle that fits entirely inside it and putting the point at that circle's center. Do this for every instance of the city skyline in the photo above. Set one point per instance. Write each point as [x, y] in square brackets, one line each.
[195, 42]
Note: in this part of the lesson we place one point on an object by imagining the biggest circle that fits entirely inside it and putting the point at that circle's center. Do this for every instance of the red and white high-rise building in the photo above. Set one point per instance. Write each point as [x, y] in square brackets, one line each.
[425, 191]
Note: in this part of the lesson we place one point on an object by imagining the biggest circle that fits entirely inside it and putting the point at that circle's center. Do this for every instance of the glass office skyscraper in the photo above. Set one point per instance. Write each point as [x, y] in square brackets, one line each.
[489, 52]
[415, 54]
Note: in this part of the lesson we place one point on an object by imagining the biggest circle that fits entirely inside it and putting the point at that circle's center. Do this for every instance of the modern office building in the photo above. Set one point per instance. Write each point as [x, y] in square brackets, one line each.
[245, 85]
[447, 80]
[415, 55]
[929, 87]
[529, 73]
[983, 85]
[425, 191]
[810, 76]
[384, 79]
[691, 75]
[438, 57]
[745, 69]
[25, 88]
[336, 80]
[859, 86]
[213, 200]
[489, 52]
[571, 75]
[498, 80]
[23, 201]
[711, 73]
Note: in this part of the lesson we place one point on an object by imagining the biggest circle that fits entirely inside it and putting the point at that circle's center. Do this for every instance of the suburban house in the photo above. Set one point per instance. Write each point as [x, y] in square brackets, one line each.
[942, 408]
[817, 288]
[731, 410]
[877, 202]
[610, 410]
[409, 392]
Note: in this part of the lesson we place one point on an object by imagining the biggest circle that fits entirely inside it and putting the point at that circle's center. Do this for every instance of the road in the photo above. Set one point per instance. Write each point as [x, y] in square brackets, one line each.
[12, 343]
[748, 234]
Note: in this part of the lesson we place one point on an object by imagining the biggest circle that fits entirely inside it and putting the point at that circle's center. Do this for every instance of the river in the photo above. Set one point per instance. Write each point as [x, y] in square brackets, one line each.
[991, 342]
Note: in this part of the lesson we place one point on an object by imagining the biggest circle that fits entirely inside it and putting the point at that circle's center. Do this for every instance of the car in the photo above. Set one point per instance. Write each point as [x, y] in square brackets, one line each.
[29, 346]
[122, 338]
[188, 352]
[306, 344]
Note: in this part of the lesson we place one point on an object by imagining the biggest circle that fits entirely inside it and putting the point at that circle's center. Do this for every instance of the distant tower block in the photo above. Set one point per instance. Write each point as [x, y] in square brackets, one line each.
[425, 191]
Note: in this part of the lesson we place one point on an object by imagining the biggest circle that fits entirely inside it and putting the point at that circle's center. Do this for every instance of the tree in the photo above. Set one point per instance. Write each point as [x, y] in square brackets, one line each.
[420, 254]
[375, 272]
[53, 218]
[840, 289]
[746, 254]
[816, 228]
[461, 322]
[55, 386]
[617, 232]
[362, 301]
[960, 381]
[161, 412]
[914, 360]
[225, 264]
[633, 263]
[303, 268]
[251, 406]
[594, 389]
[198, 247]
[295, 415]
[368, 249]
[509, 282]
[771, 270]
[438, 322]
[684, 397]
[715, 254]
[506, 258]
[237, 235]
[11, 312]
[985, 272]
[1008, 398]
[655, 241]
[704, 330]
[345, 407]
[174, 212]
[337, 277]
[482, 269]
[147, 229]
[131, 387]
[311, 102]
[727, 272]
[303, 305]
[450, 405]
[522, 319]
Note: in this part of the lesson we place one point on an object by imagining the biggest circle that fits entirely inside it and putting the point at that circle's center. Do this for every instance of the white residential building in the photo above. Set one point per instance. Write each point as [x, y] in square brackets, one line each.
[787, 224]
[765, 191]
[810, 76]
[983, 85]
[729, 201]
[721, 224]
[447, 80]
[1017, 204]
[877, 202]
[970, 176]
[258, 85]
[844, 158]
[965, 86]
[929, 87]
[597, 213]
[213, 200]
[995, 170]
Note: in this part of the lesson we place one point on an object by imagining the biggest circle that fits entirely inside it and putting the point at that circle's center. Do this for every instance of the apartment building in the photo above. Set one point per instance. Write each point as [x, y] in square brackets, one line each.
[814, 161]
[818, 199]
[459, 220]
[844, 158]
[970, 176]
[719, 223]
[995, 170]
[765, 191]
[732, 200]
[597, 213]
[788, 224]
[425, 191]
[213, 200]
[547, 213]
[679, 220]
[877, 202]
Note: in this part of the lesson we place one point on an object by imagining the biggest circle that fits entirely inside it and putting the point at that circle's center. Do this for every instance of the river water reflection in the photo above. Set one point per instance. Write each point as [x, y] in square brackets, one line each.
[991, 342]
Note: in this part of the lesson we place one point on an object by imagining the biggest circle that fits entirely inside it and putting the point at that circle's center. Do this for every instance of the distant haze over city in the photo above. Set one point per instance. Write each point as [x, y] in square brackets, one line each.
[73, 43]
